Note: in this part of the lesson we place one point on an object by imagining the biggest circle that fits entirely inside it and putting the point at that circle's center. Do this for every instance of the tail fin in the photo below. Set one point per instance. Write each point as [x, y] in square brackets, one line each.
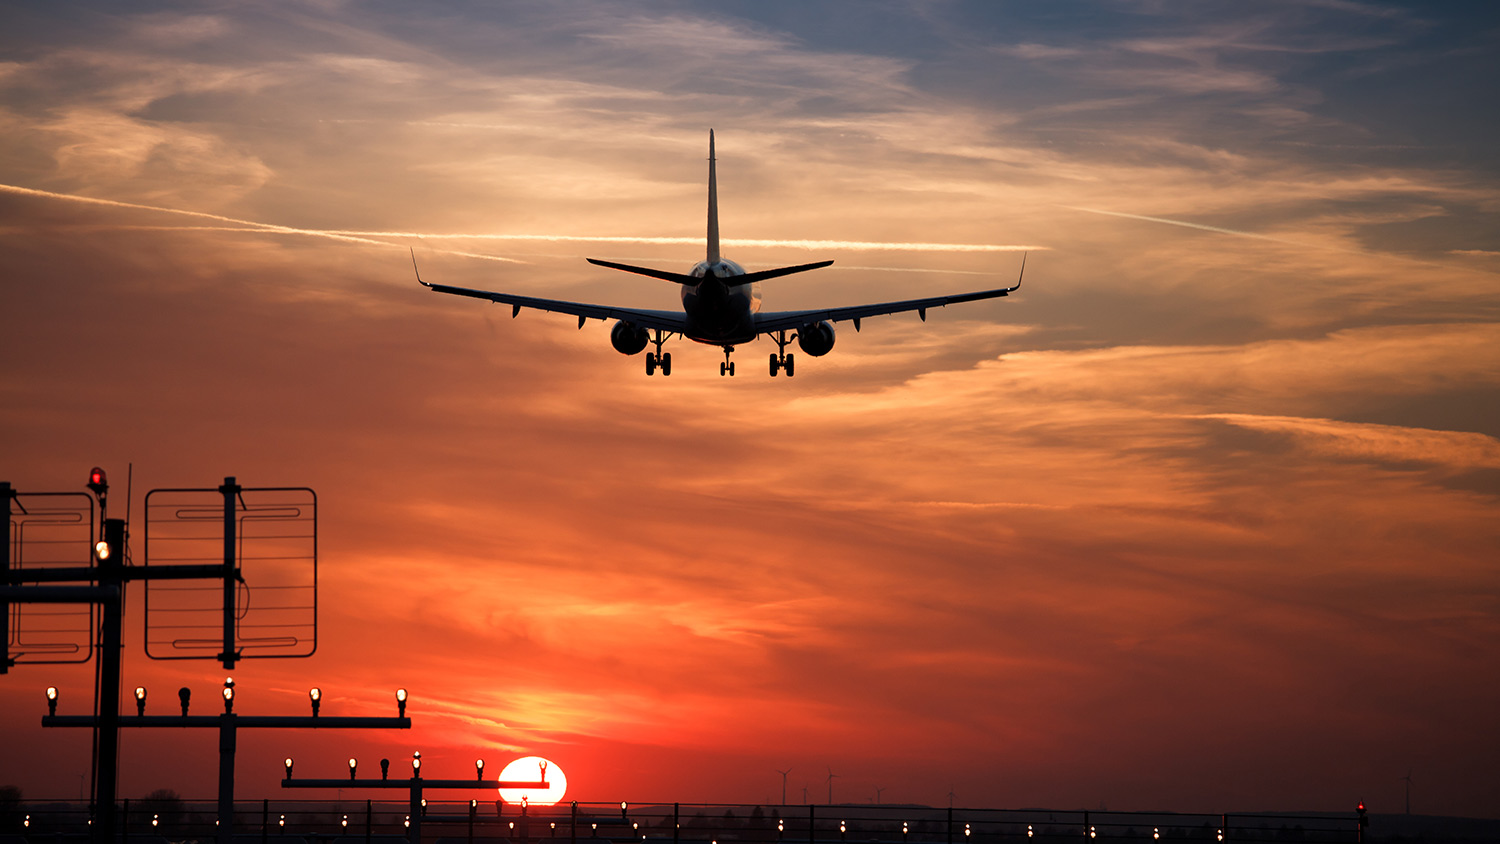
[713, 205]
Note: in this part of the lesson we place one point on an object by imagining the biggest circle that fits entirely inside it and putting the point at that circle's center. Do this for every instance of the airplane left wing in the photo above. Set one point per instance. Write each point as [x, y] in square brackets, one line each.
[670, 321]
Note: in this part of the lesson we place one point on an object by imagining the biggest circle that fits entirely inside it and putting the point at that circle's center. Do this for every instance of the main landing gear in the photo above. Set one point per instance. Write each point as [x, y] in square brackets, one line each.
[727, 367]
[781, 360]
[656, 360]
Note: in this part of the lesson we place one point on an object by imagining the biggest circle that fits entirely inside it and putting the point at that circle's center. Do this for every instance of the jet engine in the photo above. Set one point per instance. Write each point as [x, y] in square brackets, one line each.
[816, 338]
[627, 339]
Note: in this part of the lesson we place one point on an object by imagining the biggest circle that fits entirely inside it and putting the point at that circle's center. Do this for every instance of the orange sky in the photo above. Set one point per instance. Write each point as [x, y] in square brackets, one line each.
[1203, 518]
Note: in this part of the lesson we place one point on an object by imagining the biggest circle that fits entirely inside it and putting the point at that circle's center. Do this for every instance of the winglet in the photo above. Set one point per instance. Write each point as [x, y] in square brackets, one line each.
[417, 271]
[713, 205]
[1023, 271]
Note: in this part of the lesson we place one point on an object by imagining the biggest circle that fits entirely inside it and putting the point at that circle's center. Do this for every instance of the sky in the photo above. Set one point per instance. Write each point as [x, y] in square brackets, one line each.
[1202, 518]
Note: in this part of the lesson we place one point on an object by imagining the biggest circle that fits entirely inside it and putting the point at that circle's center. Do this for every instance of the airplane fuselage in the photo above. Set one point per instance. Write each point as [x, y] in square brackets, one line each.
[720, 314]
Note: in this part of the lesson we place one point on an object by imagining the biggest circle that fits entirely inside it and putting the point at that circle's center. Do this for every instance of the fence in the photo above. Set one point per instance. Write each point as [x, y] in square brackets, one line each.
[152, 821]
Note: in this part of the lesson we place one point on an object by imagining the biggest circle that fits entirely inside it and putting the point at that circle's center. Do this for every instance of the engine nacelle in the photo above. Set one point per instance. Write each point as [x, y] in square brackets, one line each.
[628, 339]
[816, 338]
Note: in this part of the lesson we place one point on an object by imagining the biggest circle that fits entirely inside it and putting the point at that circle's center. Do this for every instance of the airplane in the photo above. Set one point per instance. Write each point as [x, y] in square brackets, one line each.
[720, 306]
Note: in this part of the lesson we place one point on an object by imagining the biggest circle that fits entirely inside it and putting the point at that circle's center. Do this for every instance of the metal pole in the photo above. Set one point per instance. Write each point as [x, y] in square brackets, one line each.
[414, 811]
[573, 824]
[369, 818]
[676, 821]
[111, 573]
[227, 730]
[265, 819]
[230, 489]
[812, 824]
[5, 663]
[950, 825]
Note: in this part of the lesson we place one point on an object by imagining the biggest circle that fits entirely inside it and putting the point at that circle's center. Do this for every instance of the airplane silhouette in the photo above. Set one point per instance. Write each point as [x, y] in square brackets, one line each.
[720, 306]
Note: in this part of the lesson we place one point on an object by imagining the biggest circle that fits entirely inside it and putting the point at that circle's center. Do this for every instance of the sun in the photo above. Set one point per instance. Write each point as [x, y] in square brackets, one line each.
[533, 769]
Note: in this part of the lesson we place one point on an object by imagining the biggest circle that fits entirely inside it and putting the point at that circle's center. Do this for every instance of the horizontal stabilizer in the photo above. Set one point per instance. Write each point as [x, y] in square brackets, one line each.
[776, 273]
[680, 278]
[731, 281]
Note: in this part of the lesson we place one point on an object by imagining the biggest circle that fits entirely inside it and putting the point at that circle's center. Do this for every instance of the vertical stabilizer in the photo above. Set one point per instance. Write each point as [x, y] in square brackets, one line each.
[713, 205]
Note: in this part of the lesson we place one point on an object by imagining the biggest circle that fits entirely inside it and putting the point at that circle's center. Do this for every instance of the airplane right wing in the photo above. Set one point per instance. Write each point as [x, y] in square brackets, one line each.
[784, 320]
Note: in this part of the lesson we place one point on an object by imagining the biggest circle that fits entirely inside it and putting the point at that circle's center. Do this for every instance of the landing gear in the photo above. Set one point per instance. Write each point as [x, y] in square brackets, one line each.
[781, 360]
[727, 367]
[657, 360]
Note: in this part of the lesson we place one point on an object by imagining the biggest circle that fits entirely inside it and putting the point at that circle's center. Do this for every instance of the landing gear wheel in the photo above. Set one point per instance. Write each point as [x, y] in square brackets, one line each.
[666, 364]
[788, 366]
[723, 369]
[651, 364]
[775, 365]
[731, 369]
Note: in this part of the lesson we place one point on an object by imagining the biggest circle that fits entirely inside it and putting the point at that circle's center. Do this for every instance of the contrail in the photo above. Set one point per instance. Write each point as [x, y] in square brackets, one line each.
[889, 246]
[1184, 224]
[251, 225]
[372, 237]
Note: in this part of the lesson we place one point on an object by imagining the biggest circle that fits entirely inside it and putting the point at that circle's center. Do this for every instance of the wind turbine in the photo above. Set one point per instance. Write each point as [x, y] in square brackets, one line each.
[783, 783]
[1407, 779]
[950, 796]
[831, 775]
[878, 789]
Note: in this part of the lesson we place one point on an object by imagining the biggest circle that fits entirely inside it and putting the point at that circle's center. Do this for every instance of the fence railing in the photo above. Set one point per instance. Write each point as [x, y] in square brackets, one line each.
[151, 821]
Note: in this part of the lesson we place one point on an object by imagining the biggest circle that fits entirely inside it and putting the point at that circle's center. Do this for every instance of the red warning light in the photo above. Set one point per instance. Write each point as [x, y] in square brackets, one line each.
[97, 482]
[1360, 807]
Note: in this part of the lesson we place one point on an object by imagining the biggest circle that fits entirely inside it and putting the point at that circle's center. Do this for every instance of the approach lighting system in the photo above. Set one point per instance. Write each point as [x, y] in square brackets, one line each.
[416, 763]
[140, 700]
[101, 550]
[184, 695]
[1364, 820]
[51, 700]
[624, 807]
[385, 768]
[98, 483]
[229, 700]
[353, 764]
[288, 763]
[315, 695]
[967, 831]
[479, 769]
[401, 703]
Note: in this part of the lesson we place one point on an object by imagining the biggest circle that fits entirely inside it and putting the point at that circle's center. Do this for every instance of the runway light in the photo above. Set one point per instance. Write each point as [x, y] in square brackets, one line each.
[967, 831]
[228, 700]
[401, 703]
[479, 768]
[156, 820]
[101, 550]
[407, 823]
[623, 807]
[282, 822]
[51, 700]
[416, 765]
[843, 828]
[140, 700]
[184, 695]
[1029, 831]
[98, 482]
[353, 764]
[315, 695]
[288, 771]
[345, 822]
[27, 822]
[385, 768]
[1095, 834]
[1221, 835]
[1156, 833]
